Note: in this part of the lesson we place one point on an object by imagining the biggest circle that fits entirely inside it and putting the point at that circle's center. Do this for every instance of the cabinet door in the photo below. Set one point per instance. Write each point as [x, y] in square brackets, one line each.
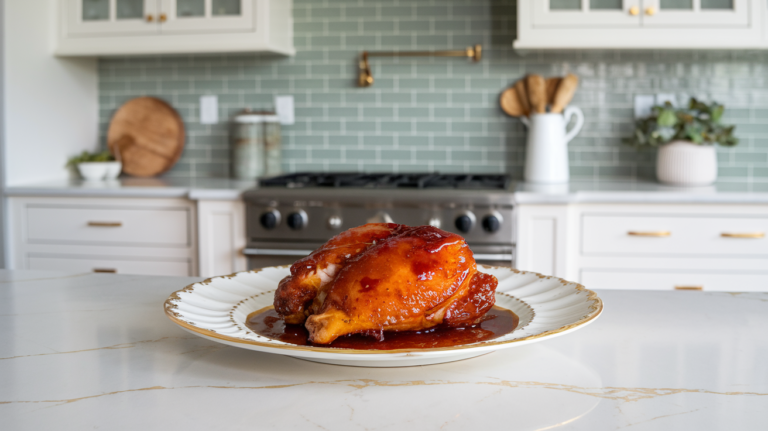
[110, 17]
[696, 13]
[196, 16]
[586, 13]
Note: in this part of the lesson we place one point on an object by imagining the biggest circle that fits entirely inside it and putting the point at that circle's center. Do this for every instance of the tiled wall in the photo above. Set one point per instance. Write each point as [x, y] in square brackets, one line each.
[425, 114]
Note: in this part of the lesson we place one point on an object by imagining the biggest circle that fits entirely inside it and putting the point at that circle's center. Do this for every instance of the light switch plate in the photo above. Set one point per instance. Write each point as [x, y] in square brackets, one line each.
[209, 109]
[284, 108]
[643, 105]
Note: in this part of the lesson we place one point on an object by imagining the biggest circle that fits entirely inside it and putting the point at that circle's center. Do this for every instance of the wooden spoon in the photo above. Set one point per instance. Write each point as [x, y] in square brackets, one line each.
[522, 96]
[552, 84]
[537, 93]
[510, 103]
[565, 92]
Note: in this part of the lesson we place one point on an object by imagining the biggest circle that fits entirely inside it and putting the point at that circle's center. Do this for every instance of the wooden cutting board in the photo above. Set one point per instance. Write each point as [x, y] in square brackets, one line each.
[148, 134]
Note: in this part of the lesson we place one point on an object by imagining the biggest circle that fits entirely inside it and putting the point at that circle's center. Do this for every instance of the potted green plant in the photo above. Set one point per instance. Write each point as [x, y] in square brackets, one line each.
[96, 166]
[686, 139]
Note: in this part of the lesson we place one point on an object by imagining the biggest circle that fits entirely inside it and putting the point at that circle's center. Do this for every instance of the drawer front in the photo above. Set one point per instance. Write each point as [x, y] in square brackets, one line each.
[114, 226]
[684, 280]
[84, 264]
[673, 235]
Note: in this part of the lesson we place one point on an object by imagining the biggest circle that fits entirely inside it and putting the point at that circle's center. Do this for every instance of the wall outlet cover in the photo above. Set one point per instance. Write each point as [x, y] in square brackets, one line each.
[643, 105]
[209, 109]
[284, 108]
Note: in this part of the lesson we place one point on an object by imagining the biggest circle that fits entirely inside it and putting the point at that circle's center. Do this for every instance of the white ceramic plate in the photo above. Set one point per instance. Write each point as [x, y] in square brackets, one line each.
[217, 309]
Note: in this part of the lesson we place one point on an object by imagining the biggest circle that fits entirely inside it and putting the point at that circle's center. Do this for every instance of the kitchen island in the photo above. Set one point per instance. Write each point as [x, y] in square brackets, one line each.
[96, 351]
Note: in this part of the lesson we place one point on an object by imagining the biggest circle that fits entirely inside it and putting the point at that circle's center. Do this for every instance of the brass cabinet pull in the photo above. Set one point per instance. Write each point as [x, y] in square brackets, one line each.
[743, 234]
[150, 18]
[650, 11]
[105, 223]
[650, 233]
[162, 17]
[634, 10]
[686, 287]
[105, 270]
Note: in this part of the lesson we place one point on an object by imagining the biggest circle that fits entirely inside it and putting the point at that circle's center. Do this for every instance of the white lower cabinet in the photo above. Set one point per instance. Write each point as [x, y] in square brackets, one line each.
[221, 234]
[647, 246]
[107, 265]
[725, 281]
[116, 235]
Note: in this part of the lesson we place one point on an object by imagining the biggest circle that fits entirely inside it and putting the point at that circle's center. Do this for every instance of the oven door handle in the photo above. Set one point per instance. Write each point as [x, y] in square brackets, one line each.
[275, 252]
[500, 256]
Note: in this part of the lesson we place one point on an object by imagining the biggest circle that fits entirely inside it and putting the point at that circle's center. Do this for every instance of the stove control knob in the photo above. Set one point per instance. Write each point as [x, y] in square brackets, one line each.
[465, 221]
[492, 222]
[270, 219]
[434, 222]
[297, 220]
[334, 222]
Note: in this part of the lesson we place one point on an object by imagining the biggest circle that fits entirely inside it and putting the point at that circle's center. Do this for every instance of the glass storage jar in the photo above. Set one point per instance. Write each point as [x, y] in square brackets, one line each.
[256, 147]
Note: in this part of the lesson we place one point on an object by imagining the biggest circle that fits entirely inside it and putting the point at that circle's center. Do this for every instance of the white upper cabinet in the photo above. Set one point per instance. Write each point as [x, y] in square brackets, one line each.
[89, 18]
[585, 13]
[135, 27]
[185, 16]
[652, 24]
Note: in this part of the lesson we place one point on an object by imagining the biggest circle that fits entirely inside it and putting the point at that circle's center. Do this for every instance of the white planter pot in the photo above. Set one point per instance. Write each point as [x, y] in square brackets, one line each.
[97, 171]
[682, 163]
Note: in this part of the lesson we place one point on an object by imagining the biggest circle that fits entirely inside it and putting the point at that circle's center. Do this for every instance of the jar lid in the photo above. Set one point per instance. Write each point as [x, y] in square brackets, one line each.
[248, 116]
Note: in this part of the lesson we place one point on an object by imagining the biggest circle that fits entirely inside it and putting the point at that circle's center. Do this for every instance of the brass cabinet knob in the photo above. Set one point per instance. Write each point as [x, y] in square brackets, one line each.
[634, 10]
[163, 17]
[689, 287]
[756, 235]
[650, 11]
[657, 233]
[150, 18]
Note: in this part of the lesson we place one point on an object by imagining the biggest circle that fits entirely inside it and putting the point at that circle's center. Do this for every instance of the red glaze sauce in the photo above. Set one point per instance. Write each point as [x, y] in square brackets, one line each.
[367, 284]
[497, 322]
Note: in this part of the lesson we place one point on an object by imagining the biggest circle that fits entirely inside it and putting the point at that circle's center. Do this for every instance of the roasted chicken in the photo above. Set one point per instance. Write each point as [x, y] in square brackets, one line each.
[385, 277]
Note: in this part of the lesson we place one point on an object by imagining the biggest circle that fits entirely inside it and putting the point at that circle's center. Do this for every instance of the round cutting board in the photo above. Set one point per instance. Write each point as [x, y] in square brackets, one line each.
[148, 134]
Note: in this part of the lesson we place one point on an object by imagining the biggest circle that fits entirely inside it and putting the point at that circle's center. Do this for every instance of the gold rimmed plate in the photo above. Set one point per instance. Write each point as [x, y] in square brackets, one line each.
[218, 309]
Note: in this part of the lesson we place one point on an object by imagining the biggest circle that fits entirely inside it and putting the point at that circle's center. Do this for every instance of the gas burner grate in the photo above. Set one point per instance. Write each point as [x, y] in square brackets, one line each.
[389, 181]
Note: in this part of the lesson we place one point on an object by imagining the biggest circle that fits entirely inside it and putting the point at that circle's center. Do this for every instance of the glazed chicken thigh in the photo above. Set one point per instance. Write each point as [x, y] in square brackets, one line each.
[385, 277]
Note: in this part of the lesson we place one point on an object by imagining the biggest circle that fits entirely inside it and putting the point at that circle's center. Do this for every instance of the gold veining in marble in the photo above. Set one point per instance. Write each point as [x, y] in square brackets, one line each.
[113, 347]
[619, 394]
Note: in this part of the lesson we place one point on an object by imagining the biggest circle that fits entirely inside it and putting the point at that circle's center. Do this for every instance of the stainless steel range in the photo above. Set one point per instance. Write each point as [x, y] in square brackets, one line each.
[289, 216]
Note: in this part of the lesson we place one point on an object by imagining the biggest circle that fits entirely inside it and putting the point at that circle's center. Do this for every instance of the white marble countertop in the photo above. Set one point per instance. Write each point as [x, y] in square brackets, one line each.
[603, 191]
[191, 188]
[627, 191]
[95, 351]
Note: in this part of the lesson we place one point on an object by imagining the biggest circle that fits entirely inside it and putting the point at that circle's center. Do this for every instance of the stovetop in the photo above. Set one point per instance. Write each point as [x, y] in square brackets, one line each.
[390, 181]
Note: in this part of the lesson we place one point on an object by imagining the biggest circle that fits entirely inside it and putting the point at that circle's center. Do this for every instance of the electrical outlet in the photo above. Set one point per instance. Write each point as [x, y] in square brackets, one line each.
[643, 105]
[284, 108]
[209, 109]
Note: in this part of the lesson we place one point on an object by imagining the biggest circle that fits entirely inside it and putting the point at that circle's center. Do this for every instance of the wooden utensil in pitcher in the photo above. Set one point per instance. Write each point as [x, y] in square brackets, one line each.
[565, 92]
[510, 103]
[537, 93]
[522, 96]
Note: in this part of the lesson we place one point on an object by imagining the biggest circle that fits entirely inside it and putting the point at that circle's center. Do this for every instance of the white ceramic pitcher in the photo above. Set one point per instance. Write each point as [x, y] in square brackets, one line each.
[546, 159]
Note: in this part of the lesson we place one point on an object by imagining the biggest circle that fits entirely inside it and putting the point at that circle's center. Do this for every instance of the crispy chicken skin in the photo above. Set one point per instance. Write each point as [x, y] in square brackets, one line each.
[400, 278]
[296, 293]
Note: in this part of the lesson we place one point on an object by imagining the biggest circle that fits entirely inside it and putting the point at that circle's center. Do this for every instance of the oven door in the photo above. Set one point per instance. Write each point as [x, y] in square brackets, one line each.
[276, 254]
[494, 255]
[261, 255]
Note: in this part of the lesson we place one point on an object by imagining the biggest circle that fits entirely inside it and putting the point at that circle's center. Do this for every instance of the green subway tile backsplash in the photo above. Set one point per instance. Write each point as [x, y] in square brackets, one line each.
[437, 114]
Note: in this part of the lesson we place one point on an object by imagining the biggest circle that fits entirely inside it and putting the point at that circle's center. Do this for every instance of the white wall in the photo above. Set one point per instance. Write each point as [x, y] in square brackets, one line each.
[50, 104]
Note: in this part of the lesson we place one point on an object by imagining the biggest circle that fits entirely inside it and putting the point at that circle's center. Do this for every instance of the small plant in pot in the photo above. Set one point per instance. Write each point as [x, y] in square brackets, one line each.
[686, 140]
[96, 166]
